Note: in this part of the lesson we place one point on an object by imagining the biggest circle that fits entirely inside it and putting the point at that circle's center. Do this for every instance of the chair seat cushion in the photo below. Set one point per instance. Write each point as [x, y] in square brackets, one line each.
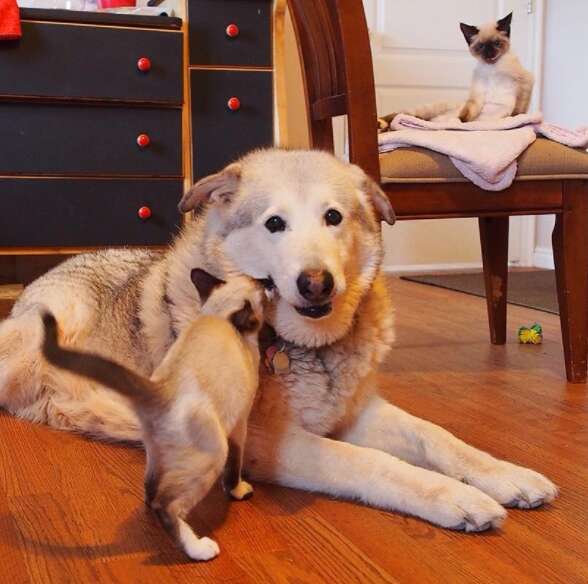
[543, 160]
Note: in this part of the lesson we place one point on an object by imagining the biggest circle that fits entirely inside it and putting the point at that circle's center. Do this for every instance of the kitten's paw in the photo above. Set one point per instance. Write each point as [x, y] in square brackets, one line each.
[202, 549]
[196, 548]
[514, 486]
[242, 491]
[464, 115]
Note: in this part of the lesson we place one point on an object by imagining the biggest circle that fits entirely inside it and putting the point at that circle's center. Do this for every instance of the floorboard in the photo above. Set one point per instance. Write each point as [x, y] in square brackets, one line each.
[71, 509]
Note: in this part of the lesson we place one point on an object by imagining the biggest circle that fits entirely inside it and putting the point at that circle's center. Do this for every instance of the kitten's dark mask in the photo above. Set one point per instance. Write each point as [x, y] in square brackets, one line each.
[244, 320]
[490, 51]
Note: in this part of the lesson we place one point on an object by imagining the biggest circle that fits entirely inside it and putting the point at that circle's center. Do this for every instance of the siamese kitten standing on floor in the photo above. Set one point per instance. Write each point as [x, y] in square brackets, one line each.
[194, 408]
[501, 86]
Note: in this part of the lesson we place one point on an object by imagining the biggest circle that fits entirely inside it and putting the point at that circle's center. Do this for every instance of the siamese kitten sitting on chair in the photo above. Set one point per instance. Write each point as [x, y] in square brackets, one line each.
[501, 86]
[194, 408]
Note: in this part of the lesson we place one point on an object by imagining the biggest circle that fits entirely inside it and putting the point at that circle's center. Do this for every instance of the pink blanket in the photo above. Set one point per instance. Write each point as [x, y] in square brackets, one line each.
[485, 152]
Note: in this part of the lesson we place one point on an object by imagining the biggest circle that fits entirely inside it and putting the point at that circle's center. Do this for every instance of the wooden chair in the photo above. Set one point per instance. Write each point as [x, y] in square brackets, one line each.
[334, 47]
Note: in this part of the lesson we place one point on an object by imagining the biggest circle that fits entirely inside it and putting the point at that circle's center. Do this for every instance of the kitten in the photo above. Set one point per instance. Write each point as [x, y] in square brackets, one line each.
[500, 87]
[194, 408]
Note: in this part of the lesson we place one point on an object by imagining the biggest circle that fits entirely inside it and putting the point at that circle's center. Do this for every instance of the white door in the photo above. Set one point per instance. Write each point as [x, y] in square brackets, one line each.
[420, 56]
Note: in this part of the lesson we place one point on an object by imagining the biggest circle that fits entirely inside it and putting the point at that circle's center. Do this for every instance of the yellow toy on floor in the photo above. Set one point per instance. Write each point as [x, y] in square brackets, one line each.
[532, 336]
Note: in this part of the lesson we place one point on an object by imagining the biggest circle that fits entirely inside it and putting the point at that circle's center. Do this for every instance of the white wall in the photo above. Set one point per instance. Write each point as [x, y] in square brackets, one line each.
[565, 86]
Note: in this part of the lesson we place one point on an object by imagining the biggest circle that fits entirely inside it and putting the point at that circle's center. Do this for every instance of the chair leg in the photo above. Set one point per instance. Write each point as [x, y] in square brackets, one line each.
[570, 251]
[494, 241]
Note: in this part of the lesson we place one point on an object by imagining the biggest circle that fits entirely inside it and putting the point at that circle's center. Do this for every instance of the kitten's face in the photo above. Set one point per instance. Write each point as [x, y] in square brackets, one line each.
[489, 42]
[239, 300]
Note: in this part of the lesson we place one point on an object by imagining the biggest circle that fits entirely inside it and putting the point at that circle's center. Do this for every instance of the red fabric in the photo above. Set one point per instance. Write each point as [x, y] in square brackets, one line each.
[9, 20]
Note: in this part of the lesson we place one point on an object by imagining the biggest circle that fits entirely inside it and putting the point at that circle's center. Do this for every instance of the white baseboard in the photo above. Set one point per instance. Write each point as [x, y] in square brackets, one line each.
[431, 268]
[543, 258]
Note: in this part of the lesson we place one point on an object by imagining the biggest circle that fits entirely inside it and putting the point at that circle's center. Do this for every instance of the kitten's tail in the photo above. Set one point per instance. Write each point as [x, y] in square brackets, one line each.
[140, 390]
[424, 112]
[432, 110]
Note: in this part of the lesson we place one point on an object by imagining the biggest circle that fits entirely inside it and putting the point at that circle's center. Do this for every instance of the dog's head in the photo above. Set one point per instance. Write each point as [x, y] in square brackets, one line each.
[306, 224]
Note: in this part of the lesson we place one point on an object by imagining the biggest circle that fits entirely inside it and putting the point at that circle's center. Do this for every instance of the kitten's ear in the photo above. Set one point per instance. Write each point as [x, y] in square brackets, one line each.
[469, 31]
[216, 188]
[503, 25]
[205, 283]
[244, 320]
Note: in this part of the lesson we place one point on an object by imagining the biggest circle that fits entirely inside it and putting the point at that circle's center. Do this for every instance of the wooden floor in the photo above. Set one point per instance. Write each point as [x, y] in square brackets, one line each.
[71, 509]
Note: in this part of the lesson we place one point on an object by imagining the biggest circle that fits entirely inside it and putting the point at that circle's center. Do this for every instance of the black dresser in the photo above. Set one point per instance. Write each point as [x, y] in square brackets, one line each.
[231, 80]
[100, 135]
[91, 118]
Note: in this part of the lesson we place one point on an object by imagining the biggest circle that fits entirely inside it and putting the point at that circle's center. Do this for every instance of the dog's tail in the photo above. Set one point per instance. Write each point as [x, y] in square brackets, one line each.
[140, 390]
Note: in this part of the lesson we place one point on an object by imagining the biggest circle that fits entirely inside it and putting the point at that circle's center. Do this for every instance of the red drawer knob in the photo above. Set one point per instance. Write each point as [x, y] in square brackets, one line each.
[144, 64]
[144, 213]
[232, 31]
[143, 140]
[234, 104]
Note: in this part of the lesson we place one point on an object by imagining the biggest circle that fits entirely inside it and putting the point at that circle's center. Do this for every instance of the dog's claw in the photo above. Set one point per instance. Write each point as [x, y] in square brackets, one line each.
[523, 502]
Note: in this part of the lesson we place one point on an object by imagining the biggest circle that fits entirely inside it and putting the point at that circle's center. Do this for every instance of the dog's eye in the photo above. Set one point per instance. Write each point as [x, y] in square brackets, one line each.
[333, 217]
[275, 223]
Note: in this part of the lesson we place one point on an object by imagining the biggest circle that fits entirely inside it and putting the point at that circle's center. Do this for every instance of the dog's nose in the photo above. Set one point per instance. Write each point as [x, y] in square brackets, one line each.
[315, 285]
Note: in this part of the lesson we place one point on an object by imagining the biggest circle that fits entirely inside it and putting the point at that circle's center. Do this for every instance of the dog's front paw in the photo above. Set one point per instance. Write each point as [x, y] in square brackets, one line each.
[514, 486]
[462, 507]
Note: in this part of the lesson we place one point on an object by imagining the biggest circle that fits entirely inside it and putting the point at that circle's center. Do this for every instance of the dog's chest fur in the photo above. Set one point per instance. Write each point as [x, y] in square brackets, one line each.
[324, 386]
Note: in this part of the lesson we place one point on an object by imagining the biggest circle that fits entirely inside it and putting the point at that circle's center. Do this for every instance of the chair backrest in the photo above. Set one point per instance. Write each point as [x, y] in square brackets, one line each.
[334, 46]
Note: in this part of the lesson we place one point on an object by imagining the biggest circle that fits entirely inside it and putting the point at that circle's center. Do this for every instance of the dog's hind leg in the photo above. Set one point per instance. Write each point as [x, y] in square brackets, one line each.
[383, 426]
[34, 390]
[294, 457]
[21, 367]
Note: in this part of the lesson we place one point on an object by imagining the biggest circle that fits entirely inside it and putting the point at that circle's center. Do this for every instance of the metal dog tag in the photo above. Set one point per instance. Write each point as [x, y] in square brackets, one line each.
[281, 363]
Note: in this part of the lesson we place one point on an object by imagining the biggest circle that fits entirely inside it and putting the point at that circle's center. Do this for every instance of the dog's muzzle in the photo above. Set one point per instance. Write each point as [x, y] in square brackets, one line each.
[315, 311]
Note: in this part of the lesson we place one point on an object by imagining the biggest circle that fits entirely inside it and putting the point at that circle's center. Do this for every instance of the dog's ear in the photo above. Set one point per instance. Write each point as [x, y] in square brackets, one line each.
[216, 188]
[469, 31]
[205, 283]
[503, 25]
[244, 320]
[374, 193]
[379, 200]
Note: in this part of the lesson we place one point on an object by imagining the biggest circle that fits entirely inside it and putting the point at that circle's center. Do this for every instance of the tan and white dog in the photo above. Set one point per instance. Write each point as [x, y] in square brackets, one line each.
[308, 225]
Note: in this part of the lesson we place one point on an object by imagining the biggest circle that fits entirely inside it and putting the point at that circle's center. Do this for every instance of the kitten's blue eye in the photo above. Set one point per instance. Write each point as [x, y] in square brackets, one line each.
[275, 223]
[496, 43]
[333, 217]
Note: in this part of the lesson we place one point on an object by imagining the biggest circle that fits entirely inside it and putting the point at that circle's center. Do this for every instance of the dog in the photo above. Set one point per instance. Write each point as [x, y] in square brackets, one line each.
[308, 225]
[194, 408]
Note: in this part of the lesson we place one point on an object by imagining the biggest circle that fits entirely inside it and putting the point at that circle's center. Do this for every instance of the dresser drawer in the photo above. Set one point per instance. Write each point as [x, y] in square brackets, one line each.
[219, 134]
[81, 212]
[247, 42]
[91, 140]
[69, 61]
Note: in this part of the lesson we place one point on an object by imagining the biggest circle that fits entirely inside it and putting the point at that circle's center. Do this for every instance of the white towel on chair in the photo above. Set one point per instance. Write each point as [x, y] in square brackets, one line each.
[485, 152]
